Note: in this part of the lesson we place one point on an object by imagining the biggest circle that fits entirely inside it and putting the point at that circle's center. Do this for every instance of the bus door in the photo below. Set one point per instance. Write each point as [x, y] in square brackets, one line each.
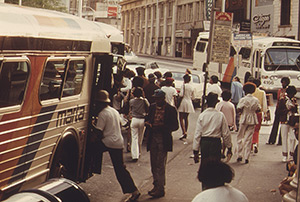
[256, 64]
[102, 79]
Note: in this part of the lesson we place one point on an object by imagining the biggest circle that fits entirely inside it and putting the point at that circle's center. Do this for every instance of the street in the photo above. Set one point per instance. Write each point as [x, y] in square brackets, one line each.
[258, 180]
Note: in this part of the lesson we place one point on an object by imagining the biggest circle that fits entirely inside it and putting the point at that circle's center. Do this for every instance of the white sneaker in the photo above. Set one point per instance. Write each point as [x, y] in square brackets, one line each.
[284, 159]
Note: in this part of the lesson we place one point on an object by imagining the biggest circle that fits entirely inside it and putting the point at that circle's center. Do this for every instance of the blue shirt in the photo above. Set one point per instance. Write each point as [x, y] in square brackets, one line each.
[236, 91]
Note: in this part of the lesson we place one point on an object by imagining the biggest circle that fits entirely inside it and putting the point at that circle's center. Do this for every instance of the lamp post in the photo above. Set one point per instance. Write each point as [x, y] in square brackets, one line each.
[85, 7]
[80, 8]
[157, 27]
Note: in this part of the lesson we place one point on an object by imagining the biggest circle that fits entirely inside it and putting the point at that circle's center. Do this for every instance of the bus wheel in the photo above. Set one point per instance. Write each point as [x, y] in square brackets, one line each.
[65, 161]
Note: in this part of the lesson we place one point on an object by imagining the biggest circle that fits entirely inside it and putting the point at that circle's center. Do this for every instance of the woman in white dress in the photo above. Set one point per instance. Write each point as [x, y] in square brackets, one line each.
[186, 107]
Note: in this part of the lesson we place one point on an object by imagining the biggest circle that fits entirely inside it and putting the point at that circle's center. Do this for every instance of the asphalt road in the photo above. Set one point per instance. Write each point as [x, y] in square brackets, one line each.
[258, 180]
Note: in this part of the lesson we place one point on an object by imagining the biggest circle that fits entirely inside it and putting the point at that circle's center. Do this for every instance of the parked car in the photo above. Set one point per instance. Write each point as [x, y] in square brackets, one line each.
[130, 56]
[150, 67]
[197, 82]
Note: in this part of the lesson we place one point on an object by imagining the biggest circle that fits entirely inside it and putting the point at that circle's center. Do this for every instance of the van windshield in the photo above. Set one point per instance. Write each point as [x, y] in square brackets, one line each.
[277, 59]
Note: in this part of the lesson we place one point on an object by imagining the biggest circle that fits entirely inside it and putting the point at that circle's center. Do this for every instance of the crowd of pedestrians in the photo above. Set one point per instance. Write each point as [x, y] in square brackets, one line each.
[149, 108]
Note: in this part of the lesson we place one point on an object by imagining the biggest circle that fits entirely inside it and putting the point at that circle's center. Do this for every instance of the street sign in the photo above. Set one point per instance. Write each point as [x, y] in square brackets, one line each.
[221, 37]
[242, 40]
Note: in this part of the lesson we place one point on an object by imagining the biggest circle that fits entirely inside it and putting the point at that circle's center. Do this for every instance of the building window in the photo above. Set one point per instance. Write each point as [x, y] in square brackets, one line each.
[285, 12]
[190, 13]
[170, 9]
[179, 14]
[149, 14]
[161, 9]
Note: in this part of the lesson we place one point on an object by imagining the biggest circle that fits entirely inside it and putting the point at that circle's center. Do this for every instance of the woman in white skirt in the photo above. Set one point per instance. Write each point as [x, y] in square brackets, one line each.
[186, 107]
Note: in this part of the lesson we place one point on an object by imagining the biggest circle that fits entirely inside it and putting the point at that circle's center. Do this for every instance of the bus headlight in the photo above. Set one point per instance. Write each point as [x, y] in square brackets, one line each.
[298, 77]
[273, 77]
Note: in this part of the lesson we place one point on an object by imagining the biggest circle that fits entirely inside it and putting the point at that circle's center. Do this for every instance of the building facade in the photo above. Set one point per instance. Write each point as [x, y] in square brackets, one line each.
[171, 27]
[276, 18]
[162, 27]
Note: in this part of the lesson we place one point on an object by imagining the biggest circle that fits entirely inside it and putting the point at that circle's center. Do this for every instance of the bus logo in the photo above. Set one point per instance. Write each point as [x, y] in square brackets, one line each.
[68, 116]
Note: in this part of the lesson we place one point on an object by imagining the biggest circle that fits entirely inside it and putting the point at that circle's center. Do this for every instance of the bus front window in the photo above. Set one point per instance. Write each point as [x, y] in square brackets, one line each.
[282, 59]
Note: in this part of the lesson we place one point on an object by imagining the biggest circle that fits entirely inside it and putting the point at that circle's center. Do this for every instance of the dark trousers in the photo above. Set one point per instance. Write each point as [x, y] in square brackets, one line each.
[123, 176]
[274, 131]
[210, 149]
[158, 159]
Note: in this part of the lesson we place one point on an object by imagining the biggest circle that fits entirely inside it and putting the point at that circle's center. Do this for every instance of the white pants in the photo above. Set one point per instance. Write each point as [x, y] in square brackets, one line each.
[137, 133]
[288, 138]
[244, 140]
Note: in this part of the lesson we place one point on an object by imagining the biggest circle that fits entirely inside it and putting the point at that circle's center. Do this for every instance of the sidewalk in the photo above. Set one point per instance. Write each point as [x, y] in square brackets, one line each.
[258, 180]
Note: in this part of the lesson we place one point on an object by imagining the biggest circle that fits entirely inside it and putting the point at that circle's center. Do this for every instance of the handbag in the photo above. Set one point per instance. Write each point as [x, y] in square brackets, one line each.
[179, 98]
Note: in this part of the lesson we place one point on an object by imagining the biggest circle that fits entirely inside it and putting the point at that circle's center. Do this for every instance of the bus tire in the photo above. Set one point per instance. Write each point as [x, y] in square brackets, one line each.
[65, 160]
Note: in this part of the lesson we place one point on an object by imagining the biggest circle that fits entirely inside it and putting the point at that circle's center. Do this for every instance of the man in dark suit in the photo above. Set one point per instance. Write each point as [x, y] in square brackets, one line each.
[161, 122]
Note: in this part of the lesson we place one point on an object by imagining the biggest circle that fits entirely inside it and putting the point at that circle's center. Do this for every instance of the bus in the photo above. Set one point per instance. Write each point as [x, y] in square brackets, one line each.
[51, 64]
[272, 58]
[268, 59]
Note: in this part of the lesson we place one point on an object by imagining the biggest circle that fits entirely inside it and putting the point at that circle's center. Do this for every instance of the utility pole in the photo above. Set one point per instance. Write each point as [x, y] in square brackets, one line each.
[157, 27]
[80, 8]
[205, 65]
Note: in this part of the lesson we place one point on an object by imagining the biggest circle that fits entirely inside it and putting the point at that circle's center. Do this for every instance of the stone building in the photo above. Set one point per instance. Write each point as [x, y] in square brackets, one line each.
[171, 27]
[173, 34]
[276, 18]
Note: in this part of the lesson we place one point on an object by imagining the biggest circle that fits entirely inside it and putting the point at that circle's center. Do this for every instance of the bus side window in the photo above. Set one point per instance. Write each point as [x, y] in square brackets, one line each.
[13, 79]
[52, 80]
[201, 46]
[74, 79]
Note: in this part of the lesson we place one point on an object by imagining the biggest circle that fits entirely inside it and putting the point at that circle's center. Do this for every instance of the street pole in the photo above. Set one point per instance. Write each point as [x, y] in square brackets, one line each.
[85, 7]
[205, 65]
[80, 8]
[157, 27]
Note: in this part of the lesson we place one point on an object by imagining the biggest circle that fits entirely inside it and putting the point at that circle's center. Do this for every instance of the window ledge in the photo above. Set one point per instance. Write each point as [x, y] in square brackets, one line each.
[284, 26]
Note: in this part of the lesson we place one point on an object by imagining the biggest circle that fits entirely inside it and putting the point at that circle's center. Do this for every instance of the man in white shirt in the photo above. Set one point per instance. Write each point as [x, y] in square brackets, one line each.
[213, 86]
[170, 91]
[211, 126]
[108, 128]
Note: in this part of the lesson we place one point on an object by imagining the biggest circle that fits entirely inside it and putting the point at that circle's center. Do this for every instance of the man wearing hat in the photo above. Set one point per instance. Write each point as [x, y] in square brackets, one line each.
[248, 106]
[161, 121]
[211, 126]
[108, 127]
